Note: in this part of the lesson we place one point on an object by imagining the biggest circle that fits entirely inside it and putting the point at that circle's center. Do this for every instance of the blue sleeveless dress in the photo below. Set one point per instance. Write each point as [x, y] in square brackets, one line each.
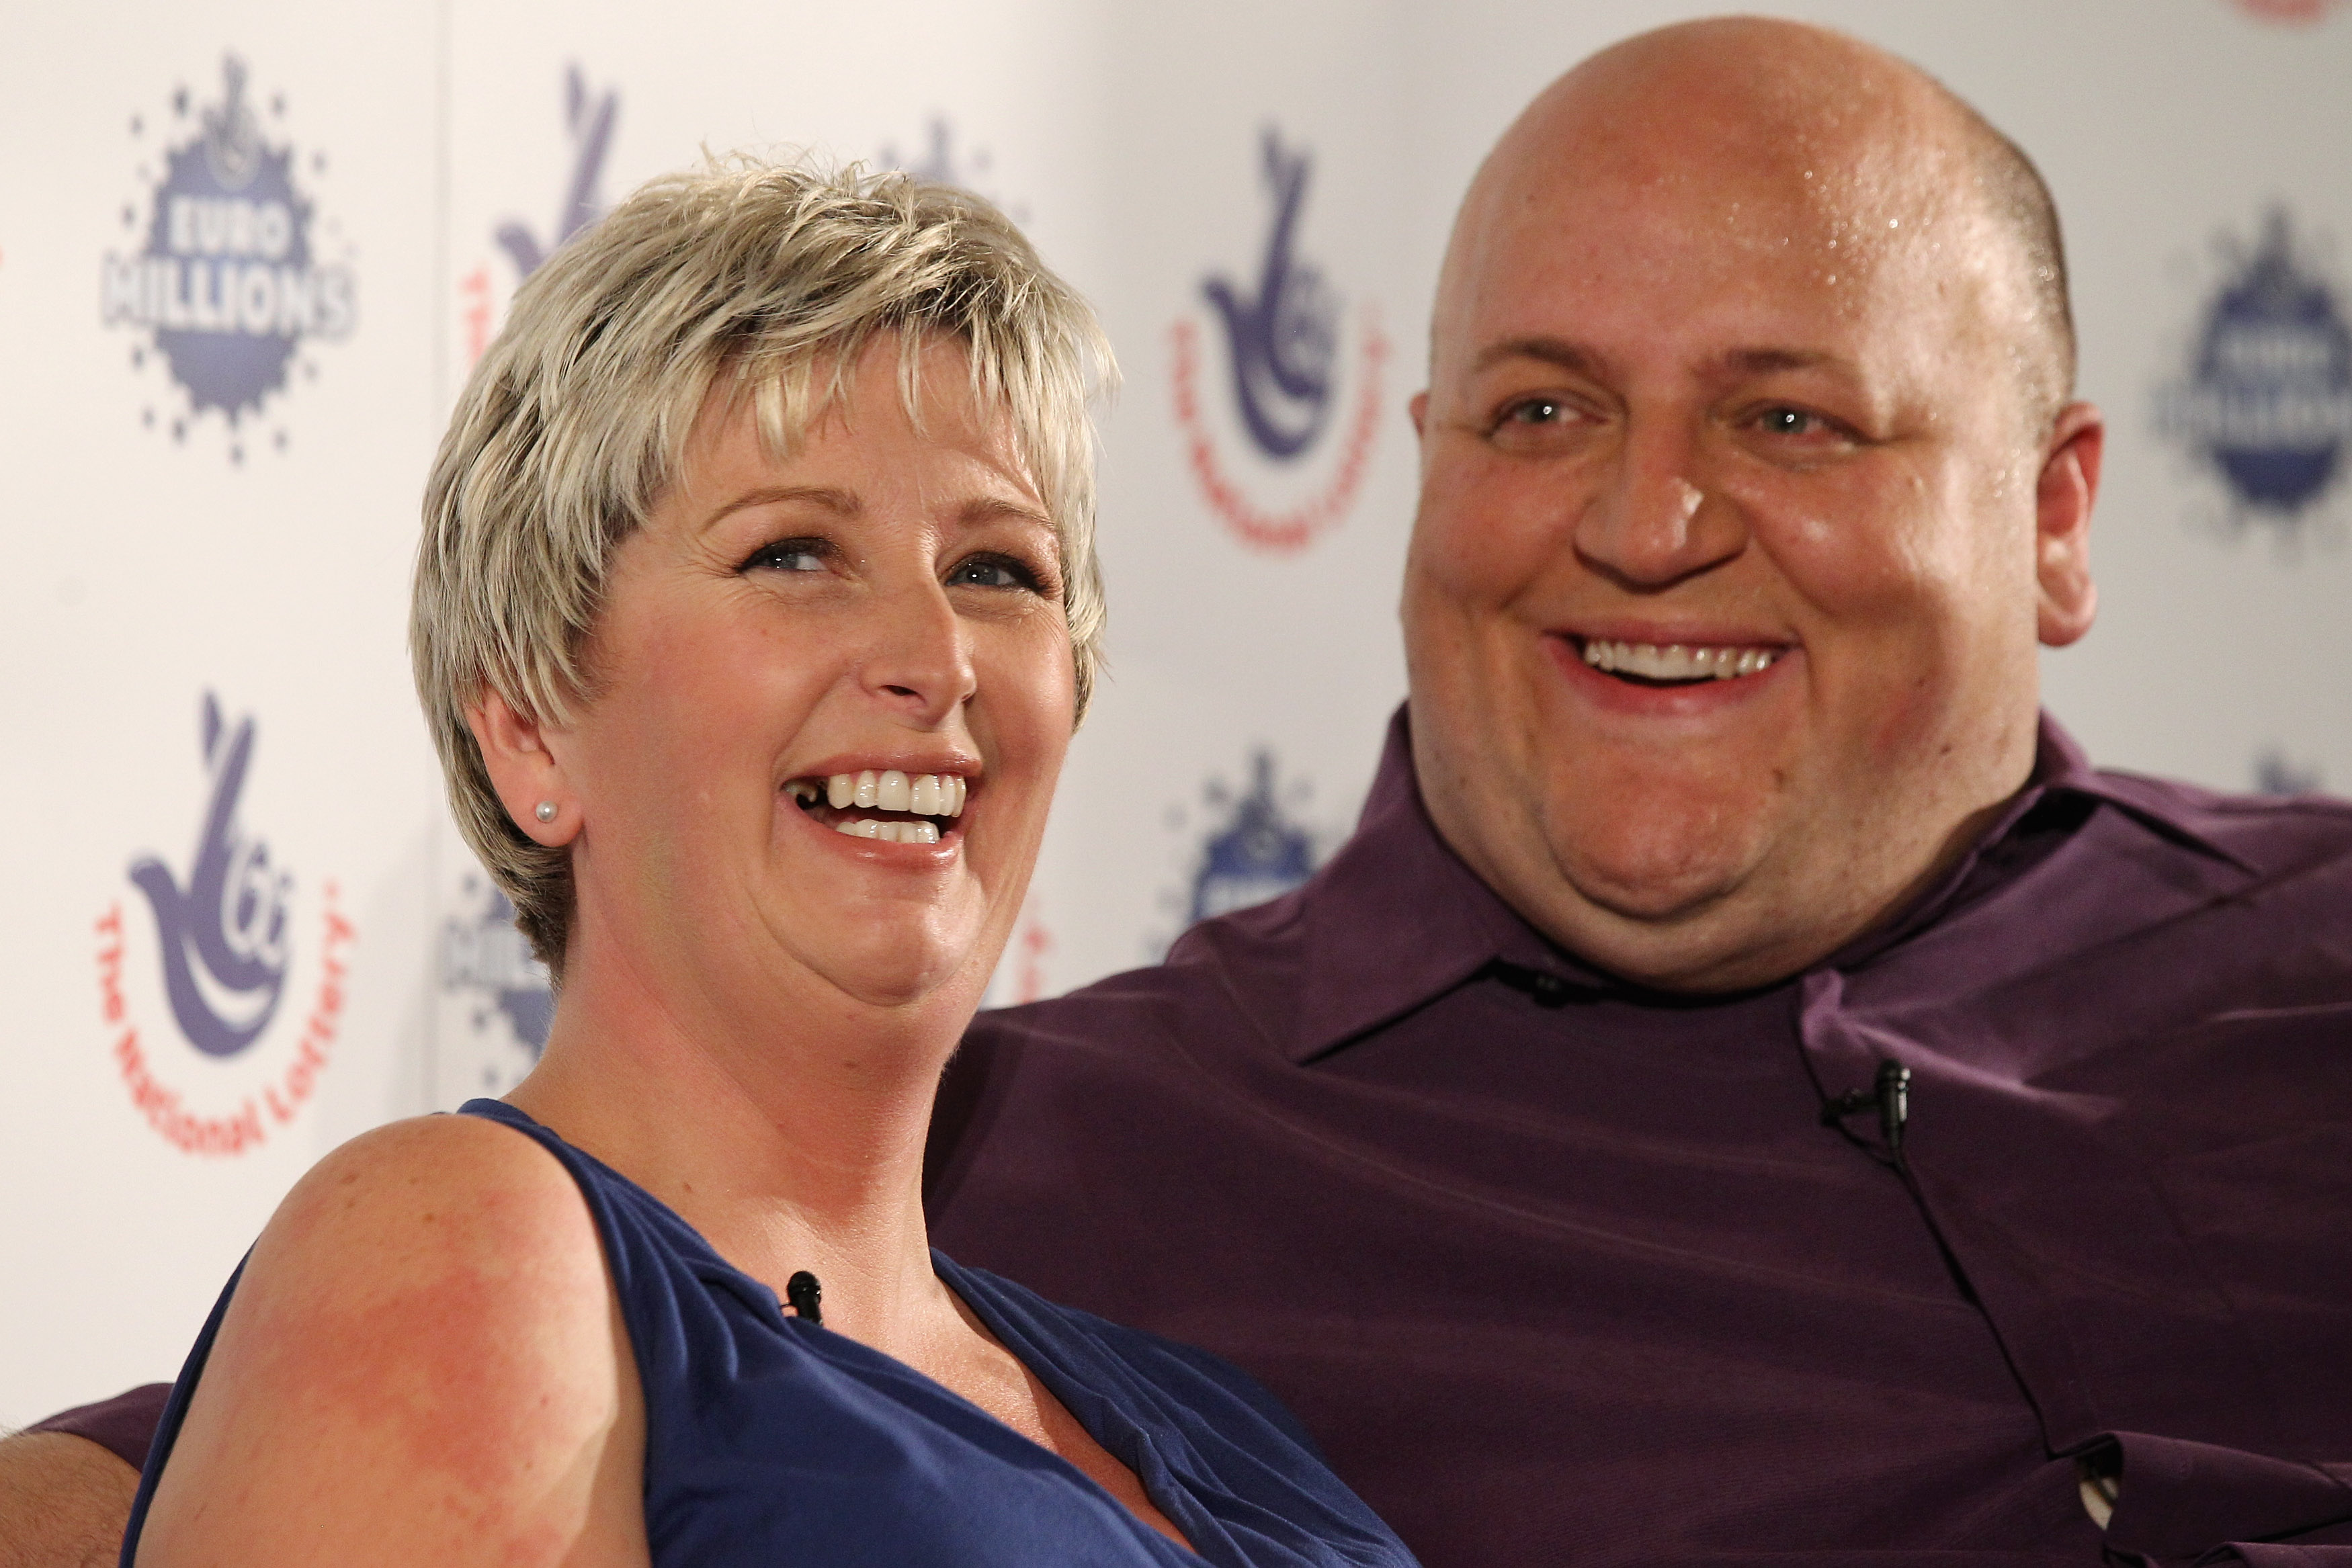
[772, 1440]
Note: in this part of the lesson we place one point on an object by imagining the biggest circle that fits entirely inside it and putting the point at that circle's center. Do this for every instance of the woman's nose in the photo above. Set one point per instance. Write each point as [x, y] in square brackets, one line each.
[918, 659]
[1654, 521]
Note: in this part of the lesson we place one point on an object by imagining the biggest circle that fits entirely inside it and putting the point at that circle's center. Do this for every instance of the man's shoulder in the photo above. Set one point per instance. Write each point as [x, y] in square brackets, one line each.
[1231, 973]
[1226, 995]
[2272, 836]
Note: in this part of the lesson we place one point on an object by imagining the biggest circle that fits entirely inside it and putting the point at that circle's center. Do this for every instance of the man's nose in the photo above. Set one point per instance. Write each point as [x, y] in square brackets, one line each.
[918, 660]
[1654, 521]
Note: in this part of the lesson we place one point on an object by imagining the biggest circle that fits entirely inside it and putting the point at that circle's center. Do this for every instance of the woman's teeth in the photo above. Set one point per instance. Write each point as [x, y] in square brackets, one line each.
[922, 795]
[1675, 662]
[888, 833]
[925, 794]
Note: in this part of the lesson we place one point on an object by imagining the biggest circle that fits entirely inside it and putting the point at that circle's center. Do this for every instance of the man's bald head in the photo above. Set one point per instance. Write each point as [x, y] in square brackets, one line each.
[1870, 136]
[1750, 489]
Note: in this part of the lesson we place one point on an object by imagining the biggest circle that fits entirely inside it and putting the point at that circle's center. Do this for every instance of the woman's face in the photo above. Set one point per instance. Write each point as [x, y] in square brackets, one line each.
[783, 643]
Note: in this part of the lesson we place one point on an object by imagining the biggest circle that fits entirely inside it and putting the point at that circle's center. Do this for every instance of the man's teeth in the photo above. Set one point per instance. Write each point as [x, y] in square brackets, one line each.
[888, 833]
[1675, 662]
[925, 794]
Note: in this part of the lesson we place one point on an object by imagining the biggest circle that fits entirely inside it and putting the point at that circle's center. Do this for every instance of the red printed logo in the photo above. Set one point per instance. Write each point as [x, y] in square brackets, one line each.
[2292, 13]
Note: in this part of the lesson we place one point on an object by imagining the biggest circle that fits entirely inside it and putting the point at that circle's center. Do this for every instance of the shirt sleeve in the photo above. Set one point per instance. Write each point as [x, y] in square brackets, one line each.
[124, 1425]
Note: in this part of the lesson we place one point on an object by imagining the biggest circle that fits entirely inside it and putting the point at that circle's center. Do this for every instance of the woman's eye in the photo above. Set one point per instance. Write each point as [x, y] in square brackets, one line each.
[990, 571]
[788, 554]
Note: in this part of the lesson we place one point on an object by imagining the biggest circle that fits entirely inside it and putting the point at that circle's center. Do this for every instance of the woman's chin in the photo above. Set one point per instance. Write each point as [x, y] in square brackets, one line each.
[897, 970]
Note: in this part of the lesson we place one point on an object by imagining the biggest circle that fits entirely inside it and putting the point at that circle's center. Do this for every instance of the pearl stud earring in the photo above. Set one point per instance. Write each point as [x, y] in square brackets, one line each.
[546, 812]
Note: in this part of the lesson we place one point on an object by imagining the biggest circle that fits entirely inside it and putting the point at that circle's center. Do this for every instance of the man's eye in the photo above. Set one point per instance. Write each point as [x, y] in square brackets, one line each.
[1535, 411]
[990, 571]
[788, 554]
[1792, 421]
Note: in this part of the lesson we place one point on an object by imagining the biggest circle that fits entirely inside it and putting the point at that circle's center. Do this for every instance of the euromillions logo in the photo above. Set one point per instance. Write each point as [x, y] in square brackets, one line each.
[1260, 854]
[224, 946]
[488, 968]
[588, 120]
[1246, 846]
[2266, 404]
[1280, 444]
[228, 287]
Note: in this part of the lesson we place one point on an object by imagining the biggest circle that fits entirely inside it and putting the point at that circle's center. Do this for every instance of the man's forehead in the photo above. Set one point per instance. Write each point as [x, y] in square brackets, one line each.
[1685, 185]
[1741, 170]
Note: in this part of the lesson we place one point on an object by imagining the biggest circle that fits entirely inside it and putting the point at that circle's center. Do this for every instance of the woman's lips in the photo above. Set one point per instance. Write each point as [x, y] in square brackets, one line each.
[884, 804]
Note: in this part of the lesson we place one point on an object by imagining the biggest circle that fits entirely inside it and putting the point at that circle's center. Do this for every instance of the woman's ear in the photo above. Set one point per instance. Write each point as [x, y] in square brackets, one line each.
[529, 780]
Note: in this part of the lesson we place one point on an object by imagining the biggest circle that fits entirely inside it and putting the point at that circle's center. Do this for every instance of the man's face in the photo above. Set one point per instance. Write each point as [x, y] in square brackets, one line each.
[1721, 607]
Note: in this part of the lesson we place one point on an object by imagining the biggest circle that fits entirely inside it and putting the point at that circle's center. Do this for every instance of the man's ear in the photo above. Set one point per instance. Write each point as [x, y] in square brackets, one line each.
[523, 771]
[1419, 409]
[2063, 496]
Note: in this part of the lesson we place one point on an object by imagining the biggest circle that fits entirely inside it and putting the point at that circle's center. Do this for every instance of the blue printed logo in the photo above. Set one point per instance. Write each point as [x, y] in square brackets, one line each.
[589, 120]
[223, 932]
[228, 284]
[1243, 847]
[485, 956]
[2276, 773]
[949, 161]
[1258, 855]
[588, 123]
[1283, 334]
[2267, 401]
[497, 1002]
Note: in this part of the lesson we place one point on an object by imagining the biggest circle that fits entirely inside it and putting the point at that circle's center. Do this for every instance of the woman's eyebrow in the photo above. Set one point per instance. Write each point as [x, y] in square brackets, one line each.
[997, 508]
[841, 503]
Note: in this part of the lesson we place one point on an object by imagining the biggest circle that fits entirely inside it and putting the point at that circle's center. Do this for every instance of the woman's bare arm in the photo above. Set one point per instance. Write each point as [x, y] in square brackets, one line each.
[424, 1363]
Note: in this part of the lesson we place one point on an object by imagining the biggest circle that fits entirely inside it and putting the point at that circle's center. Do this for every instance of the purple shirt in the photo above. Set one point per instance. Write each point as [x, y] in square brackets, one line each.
[1559, 1271]
[123, 1426]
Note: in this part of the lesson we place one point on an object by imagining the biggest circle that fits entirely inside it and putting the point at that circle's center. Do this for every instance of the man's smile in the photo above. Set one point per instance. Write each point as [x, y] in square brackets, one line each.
[1676, 663]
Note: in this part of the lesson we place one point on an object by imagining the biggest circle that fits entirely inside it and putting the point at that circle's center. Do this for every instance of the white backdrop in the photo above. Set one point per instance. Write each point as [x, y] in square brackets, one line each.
[308, 219]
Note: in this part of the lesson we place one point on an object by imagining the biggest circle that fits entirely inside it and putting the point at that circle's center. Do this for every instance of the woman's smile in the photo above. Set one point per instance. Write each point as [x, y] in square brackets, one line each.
[886, 805]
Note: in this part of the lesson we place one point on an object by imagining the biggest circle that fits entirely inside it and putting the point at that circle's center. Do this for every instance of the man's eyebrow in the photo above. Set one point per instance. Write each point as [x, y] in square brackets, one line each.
[1557, 351]
[839, 502]
[1764, 362]
[1582, 361]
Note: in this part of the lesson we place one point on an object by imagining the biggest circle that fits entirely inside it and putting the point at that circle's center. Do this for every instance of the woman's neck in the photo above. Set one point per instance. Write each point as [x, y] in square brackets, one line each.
[793, 1143]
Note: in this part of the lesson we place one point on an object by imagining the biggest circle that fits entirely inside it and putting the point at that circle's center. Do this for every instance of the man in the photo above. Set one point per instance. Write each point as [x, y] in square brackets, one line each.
[1748, 1089]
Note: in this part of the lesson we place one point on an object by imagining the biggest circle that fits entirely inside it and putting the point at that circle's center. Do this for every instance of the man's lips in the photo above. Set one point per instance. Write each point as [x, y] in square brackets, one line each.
[1671, 663]
[1664, 675]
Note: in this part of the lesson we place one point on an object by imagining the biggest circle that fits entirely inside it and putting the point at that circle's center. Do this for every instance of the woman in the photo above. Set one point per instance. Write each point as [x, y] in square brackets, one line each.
[756, 606]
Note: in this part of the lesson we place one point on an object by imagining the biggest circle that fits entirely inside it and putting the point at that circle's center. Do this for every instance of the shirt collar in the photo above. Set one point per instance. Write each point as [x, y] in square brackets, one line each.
[1396, 920]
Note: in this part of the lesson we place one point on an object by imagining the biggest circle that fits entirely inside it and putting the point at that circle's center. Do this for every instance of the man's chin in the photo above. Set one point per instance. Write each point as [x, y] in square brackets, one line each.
[1687, 930]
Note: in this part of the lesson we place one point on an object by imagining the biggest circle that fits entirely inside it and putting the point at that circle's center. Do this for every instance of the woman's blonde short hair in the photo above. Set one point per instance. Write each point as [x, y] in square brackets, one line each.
[757, 279]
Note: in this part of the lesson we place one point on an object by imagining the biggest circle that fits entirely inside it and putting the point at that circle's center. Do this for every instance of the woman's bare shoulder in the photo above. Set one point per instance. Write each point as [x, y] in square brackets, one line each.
[454, 1188]
[423, 1361]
